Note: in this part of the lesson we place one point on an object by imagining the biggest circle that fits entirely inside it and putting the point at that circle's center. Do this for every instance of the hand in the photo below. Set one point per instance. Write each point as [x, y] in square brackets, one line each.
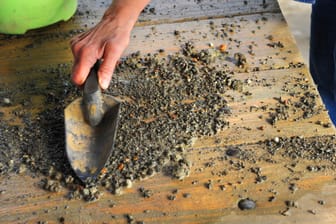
[107, 40]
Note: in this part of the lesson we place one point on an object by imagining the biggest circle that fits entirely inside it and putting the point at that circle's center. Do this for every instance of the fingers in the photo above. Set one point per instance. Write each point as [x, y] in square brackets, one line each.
[106, 41]
[84, 61]
[111, 56]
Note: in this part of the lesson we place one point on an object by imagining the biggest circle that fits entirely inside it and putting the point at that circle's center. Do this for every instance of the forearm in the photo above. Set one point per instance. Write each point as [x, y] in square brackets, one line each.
[125, 12]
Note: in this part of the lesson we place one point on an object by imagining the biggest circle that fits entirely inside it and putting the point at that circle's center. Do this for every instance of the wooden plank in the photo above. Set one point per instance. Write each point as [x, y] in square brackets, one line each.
[23, 200]
[90, 12]
[31, 204]
[171, 10]
[28, 52]
[264, 85]
[249, 121]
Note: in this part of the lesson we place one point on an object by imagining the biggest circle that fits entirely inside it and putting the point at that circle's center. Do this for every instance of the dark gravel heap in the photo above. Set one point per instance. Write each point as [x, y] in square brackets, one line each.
[320, 148]
[168, 101]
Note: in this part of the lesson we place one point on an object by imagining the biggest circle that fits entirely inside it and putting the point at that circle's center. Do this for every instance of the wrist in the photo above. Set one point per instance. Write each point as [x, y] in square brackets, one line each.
[123, 15]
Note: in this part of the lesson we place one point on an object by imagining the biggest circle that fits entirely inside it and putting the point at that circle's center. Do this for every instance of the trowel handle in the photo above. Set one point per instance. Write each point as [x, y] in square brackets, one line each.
[92, 97]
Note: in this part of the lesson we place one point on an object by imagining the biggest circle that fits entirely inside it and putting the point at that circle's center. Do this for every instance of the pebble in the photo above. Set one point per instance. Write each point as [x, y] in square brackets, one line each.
[22, 168]
[233, 151]
[171, 197]
[321, 202]
[271, 199]
[294, 204]
[186, 195]
[129, 183]
[293, 187]
[246, 204]
[276, 139]
[286, 212]
[312, 211]
[6, 101]
[61, 219]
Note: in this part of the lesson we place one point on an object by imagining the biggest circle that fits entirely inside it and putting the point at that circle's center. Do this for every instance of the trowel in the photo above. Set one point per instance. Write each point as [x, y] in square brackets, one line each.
[90, 128]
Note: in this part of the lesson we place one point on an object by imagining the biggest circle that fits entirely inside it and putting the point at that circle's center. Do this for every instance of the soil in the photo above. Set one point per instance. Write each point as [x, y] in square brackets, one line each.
[166, 103]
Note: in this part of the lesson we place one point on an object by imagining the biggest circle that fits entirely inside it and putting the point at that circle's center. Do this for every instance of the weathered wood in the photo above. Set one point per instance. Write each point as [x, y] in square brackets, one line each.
[246, 31]
[29, 204]
[24, 60]
[170, 11]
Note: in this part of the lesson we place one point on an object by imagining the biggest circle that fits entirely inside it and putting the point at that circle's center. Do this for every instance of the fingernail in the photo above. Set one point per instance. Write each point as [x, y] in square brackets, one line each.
[104, 83]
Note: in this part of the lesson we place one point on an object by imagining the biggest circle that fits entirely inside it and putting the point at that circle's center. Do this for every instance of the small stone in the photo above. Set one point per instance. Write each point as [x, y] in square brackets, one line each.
[276, 139]
[246, 204]
[293, 188]
[312, 211]
[186, 195]
[209, 185]
[321, 202]
[171, 197]
[271, 199]
[61, 219]
[222, 187]
[129, 218]
[86, 192]
[175, 191]
[294, 204]
[118, 191]
[222, 48]
[128, 183]
[233, 151]
[58, 176]
[6, 101]
[69, 179]
[286, 212]
[22, 169]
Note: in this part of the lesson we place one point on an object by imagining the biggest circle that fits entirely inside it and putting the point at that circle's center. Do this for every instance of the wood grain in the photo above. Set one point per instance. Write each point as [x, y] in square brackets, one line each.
[241, 25]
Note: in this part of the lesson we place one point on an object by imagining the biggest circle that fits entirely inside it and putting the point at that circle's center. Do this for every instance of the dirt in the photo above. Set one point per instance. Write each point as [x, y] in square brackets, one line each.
[167, 102]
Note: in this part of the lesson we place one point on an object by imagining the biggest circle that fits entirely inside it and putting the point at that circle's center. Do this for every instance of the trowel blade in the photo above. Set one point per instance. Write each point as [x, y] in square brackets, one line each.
[88, 148]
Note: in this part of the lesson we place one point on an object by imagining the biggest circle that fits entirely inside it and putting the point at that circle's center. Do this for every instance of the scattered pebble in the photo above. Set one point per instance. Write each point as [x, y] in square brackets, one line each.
[321, 202]
[246, 204]
[171, 197]
[186, 195]
[312, 211]
[6, 101]
[61, 219]
[286, 212]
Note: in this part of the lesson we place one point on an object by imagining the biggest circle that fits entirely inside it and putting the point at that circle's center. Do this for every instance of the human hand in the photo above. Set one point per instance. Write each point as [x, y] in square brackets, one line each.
[107, 41]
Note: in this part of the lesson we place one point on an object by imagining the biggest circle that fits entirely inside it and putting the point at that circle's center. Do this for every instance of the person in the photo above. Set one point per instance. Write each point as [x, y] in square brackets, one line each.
[107, 40]
[322, 54]
[322, 51]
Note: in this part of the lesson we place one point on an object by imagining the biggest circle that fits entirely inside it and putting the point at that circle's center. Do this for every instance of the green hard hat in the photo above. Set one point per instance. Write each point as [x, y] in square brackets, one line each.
[18, 16]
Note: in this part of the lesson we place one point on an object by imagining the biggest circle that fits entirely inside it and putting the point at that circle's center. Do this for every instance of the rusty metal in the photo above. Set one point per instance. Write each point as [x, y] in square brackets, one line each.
[89, 144]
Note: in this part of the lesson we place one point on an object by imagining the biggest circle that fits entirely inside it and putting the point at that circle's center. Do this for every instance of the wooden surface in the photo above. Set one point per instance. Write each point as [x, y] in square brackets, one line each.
[23, 58]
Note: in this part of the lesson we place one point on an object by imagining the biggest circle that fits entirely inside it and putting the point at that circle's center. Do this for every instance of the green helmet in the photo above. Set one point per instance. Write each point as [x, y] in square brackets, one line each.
[18, 16]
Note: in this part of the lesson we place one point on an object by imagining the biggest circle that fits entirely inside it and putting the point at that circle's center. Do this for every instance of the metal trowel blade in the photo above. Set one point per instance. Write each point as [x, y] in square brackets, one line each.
[89, 147]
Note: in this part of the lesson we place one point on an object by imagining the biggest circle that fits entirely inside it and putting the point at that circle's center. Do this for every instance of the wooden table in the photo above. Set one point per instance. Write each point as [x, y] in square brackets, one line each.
[280, 77]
